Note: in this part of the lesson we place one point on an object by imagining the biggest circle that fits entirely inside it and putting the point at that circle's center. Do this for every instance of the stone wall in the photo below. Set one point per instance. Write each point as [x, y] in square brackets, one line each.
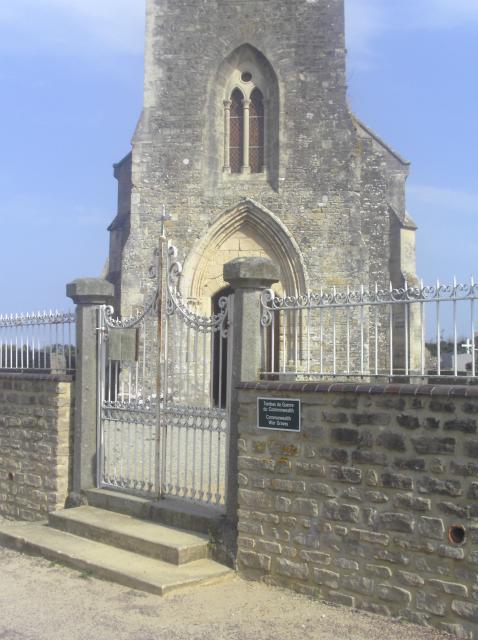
[358, 508]
[35, 429]
[336, 188]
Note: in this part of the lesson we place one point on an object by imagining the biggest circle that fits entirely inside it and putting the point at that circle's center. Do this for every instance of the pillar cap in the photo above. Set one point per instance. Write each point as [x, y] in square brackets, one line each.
[251, 273]
[90, 291]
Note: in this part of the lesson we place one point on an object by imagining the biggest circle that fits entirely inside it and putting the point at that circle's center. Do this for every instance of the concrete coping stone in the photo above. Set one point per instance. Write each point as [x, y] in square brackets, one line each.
[251, 273]
[400, 389]
[90, 291]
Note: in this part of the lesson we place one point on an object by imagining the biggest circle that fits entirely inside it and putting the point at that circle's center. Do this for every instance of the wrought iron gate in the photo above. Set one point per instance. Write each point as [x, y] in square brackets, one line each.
[128, 402]
[193, 415]
[163, 417]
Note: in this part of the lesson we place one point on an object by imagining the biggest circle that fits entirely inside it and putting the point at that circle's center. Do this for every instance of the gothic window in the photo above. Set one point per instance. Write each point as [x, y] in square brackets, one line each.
[244, 129]
[256, 129]
[236, 131]
[247, 92]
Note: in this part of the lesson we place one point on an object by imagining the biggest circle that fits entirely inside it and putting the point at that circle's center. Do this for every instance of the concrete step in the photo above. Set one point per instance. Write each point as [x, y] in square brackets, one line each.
[107, 562]
[172, 512]
[119, 502]
[128, 533]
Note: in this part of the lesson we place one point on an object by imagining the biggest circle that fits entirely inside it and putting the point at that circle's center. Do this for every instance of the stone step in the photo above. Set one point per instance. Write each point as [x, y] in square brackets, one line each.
[110, 563]
[119, 502]
[128, 533]
[172, 512]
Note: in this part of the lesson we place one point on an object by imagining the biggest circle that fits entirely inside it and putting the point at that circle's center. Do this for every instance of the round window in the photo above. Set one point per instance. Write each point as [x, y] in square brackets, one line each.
[246, 76]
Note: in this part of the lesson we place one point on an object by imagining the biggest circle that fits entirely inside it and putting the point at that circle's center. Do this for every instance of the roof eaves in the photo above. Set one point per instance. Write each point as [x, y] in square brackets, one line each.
[381, 142]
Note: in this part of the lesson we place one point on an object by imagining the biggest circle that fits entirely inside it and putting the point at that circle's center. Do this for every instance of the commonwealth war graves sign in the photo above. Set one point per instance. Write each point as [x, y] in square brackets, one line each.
[282, 414]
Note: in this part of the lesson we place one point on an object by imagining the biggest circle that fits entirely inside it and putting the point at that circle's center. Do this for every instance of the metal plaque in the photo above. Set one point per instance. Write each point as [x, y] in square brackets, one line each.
[281, 414]
[123, 345]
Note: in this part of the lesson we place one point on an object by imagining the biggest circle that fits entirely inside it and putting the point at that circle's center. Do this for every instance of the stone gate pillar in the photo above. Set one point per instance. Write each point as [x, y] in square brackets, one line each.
[88, 294]
[248, 277]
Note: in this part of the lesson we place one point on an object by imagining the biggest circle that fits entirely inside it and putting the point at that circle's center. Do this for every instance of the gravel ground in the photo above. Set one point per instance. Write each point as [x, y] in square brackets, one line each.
[40, 600]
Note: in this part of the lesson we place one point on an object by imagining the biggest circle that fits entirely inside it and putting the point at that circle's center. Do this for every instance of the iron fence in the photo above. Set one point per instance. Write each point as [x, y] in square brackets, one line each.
[38, 342]
[414, 332]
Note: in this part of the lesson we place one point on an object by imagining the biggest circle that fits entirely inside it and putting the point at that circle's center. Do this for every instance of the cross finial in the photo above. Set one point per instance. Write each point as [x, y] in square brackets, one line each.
[468, 346]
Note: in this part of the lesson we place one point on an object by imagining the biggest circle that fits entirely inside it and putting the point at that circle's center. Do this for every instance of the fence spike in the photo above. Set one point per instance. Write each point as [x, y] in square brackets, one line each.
[24, 330]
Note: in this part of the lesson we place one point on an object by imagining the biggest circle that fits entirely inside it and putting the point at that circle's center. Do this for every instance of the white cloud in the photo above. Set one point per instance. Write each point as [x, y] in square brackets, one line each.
[367, 20]
[453, 201]
[72, 26]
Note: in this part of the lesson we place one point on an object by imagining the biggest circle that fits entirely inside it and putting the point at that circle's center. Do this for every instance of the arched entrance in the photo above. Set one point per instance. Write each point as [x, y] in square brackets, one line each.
[246, 230]
[271, 346]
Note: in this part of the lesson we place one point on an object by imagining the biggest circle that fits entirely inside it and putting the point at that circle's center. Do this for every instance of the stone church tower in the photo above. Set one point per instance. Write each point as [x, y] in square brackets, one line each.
[247, 140]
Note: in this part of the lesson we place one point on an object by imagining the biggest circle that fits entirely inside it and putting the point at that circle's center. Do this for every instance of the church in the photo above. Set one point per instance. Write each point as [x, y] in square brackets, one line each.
[247, 141]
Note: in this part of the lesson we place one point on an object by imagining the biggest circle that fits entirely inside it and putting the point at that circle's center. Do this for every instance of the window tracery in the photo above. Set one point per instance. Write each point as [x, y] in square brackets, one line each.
[244, 125]
[256, 133]
[249, 141]
[236, 131]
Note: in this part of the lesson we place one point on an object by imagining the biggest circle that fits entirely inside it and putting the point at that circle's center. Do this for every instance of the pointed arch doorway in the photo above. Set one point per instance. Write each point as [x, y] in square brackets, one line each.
[220, 354]
[247, 229]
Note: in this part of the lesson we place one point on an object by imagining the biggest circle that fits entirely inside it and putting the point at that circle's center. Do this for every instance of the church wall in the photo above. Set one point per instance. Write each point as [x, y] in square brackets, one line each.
[408, 253]
[382, 177]
[304, 43]
[122, 172]
[119, 228]
[335, 187]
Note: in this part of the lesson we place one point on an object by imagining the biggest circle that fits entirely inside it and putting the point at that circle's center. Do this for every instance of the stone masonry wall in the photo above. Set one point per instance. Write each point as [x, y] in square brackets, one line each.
[321, 149]
[35, 427]
[356, 509]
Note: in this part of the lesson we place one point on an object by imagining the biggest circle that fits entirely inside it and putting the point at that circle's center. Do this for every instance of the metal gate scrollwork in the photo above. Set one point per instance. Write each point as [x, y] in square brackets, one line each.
[161, 428]
[194, 424]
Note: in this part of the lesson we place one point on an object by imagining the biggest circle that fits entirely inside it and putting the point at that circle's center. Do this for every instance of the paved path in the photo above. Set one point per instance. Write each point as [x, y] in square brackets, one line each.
[44, 601]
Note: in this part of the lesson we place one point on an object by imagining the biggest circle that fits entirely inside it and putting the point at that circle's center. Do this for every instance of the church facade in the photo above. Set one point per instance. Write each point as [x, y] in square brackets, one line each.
[246, 139]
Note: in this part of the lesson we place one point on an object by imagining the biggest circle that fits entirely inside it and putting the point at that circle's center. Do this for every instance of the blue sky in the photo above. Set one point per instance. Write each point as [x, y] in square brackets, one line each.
[71, 78]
